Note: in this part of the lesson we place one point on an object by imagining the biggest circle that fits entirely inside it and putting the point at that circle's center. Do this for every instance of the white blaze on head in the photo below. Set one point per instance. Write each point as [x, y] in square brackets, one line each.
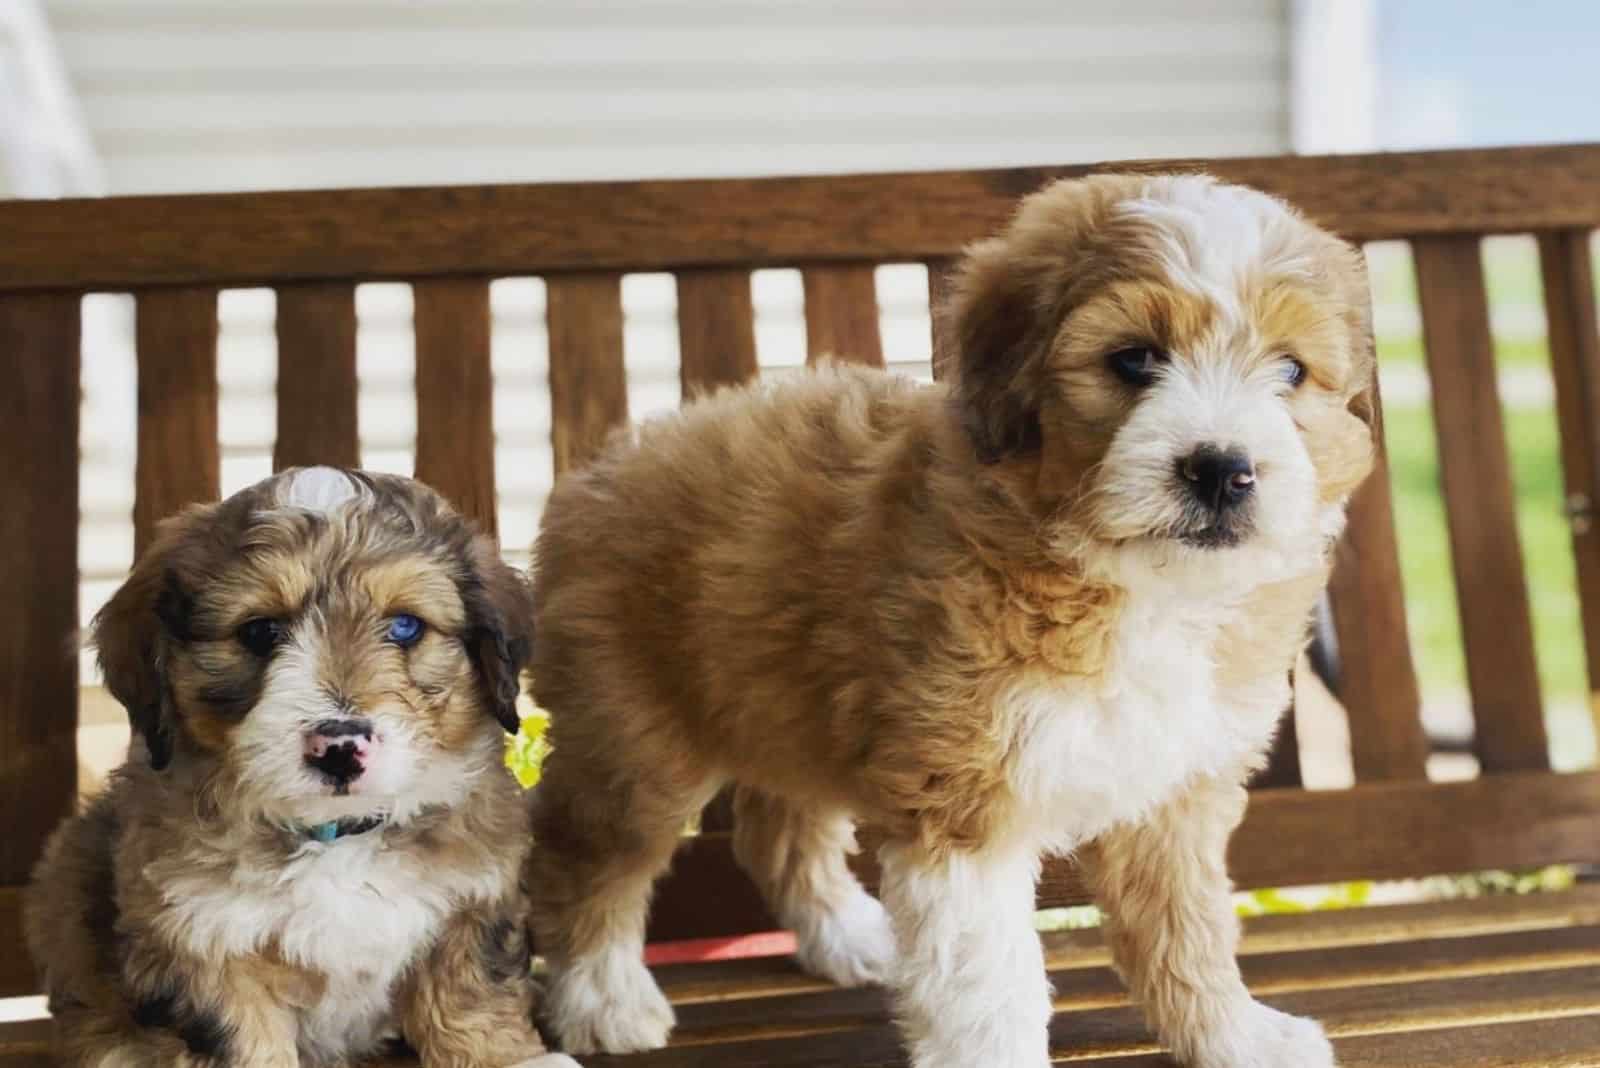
[320, 489]
[1209, 237]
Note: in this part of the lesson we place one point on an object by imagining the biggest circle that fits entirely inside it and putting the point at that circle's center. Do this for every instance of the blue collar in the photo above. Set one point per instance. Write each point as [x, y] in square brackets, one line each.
[336, 829]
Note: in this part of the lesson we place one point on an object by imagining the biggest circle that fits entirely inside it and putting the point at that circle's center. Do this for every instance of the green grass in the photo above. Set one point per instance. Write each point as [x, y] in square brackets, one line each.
[1534, 446]
[1508, 352]
[1510, 271]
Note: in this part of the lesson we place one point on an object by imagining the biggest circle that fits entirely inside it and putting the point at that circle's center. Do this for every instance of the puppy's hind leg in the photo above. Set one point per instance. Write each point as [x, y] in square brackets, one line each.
[601, 838]
[91, 1039]
[796, 856]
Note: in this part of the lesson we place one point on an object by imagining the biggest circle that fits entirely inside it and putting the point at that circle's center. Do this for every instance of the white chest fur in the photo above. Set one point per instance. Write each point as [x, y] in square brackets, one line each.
[352, 910]
[1092, 754]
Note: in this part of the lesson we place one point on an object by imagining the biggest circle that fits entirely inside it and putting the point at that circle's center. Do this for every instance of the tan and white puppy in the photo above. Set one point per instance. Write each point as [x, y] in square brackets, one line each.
[1048, 607]
[314, 851]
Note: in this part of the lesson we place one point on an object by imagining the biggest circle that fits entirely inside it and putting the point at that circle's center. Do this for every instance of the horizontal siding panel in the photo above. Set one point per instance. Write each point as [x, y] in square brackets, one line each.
[1155, 125]
[492, 14]
[1075, 73]
[391, 44]
[198, 170]
[592, 115]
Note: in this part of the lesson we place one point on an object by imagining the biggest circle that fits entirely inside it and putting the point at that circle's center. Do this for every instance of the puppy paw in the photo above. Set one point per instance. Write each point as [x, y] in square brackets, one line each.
[851, 946]
[548, 1060]
[608, 1004]
[1263, 1037]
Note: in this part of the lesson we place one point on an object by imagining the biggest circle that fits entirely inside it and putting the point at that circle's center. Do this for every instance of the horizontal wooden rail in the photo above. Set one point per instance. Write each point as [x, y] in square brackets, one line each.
[1395, 830]
[1391, 830]
[255, 238]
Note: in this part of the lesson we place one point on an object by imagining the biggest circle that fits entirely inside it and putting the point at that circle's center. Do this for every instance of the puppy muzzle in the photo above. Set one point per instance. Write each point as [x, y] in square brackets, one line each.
[339, 749]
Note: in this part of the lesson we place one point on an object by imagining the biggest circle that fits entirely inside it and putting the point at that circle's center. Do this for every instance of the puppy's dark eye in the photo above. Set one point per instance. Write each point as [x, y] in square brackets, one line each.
[1137, 366]
[260, 636]
[1293, 371]
[404, 629]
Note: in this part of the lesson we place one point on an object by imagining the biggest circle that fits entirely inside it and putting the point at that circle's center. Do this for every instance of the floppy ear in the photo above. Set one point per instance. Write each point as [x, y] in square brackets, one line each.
[1007, 302]
[499, 603]
[132, 634]
[994, 316]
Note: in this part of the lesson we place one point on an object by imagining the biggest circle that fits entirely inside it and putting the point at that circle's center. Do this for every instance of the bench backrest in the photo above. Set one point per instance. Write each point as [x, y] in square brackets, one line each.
[174, 253]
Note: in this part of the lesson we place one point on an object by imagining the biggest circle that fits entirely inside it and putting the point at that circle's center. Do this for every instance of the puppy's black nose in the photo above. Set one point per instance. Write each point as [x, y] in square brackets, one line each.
[338, 748]
[1219, 478]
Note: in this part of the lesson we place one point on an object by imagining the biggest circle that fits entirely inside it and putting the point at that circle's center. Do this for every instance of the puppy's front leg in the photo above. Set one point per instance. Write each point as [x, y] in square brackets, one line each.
[969, 980]
[470, 1004]
[1169, 918]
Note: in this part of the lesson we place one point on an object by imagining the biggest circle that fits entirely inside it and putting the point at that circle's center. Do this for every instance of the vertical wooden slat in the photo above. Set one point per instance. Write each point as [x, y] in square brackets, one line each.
[455, 394]
[1574, 336]
[940, 276]
[842, 314]
[178, 461]
[588, 382]
[1377, 681]
[716, 329]
[316, 376]
[716, 347]
[39, 576]
[1496, 622]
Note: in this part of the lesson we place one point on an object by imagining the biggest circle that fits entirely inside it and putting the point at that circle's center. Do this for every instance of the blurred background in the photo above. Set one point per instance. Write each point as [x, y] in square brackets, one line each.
[157, 96]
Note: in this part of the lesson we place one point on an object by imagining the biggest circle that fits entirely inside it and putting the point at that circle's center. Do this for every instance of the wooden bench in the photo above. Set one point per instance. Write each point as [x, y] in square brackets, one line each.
[1477, 982]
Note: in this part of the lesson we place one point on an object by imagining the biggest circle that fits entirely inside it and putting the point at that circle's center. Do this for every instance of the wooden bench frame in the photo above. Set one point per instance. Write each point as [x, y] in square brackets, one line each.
[174, 253]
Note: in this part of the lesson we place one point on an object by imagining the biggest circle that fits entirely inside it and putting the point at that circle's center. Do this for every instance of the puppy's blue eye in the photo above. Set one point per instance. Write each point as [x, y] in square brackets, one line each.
[404, 629]
[1294, 372]
[1137, 366]
[260, 636]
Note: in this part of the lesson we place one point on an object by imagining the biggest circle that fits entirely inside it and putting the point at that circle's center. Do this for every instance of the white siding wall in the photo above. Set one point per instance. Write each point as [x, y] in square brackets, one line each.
[197, 94]
[190, 95]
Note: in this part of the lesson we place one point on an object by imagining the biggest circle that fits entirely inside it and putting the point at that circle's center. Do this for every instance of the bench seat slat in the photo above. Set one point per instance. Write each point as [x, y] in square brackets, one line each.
[1558, 1041]
[1532, 929]
[1476, 962]
[1566, 263]
[842, 314]
[1377, 679]
[455, 394]
[317, 407]
[1496, 623]
[1079, 988]
[588, 383]
[716, 329]
[860, 1036]
[1554, 1042]
[178, 461]
[39, 361]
